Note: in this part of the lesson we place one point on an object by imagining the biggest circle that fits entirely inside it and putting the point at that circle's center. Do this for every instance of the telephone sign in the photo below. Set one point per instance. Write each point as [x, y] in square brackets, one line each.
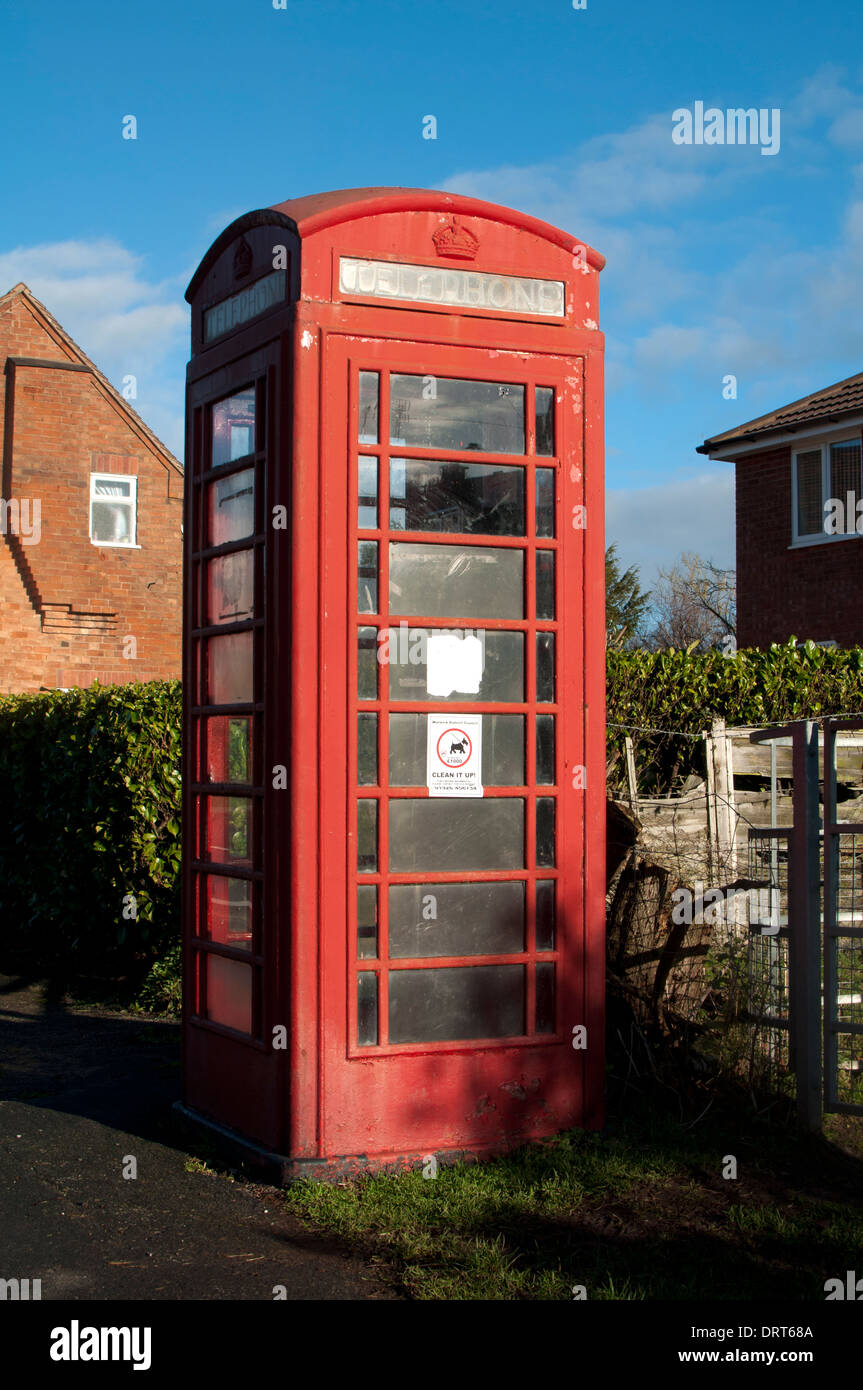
[394, 683]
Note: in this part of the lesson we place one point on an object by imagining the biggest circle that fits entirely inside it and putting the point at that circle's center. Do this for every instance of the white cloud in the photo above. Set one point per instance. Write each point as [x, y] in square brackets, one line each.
[652, 526]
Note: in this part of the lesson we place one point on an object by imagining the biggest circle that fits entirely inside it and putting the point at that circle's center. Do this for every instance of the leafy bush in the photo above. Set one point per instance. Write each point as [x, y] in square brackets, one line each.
[90, 827]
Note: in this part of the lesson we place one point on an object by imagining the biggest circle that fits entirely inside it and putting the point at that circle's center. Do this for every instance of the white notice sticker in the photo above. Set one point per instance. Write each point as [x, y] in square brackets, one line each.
[454, 755]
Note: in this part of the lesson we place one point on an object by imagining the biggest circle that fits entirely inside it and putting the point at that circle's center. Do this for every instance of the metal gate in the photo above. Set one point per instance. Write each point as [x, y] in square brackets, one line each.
[805, 966]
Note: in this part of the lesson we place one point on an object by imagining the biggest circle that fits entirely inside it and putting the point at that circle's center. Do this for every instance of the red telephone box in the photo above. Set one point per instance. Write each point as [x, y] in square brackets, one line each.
[394, 682]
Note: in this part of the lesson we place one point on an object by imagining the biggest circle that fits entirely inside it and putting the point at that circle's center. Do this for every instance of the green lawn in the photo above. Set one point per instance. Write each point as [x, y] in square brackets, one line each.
[643, 1213]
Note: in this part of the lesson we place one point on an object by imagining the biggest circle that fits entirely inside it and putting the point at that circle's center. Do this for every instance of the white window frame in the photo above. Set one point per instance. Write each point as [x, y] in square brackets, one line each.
[131, 502]
[824, 443]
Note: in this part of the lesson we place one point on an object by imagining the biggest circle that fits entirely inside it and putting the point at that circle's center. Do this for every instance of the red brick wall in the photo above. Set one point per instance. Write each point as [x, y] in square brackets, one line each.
[813, 591]
[66, 605]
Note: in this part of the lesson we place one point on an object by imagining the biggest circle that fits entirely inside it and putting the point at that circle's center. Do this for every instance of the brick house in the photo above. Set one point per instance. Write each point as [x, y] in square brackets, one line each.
[799, 529]
[90, 519]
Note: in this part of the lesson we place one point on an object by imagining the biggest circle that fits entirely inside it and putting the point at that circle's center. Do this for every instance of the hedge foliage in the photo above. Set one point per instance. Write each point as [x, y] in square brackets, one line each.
[90, 827]
[90, 787]
[680, 693]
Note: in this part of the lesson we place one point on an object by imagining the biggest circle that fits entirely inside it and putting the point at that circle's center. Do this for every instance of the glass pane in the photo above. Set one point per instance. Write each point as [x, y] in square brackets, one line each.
[368, 408]
[367, 577]
[231, 508]
[229, 749]
[229, 669]
[544, 420]
[432, 495]
[111, 523]
[367, 519]
[367, 749]
[367, 1008]
[367, 836]
[455, 581]
[229, 830]
[456, 919]
[545, 668]
[231, 588]
[444, 413]
[233, 421]
[545, 502]
[427, 665]
[545, 914]
[229, 993]
[545, 832]
[451, 835]
[229, 911]
[545, 996]
[367, 920]
[464, 1001]
[845, 479]
[545, 749]
[545, 584]
[810, 517]
[367, 663]
[502, 750]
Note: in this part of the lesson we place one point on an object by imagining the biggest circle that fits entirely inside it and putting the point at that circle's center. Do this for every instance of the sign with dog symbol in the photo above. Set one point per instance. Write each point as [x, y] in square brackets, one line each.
[454, 755]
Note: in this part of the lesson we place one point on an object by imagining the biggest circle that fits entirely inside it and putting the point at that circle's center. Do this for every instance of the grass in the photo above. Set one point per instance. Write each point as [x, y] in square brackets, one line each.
[641, 1213]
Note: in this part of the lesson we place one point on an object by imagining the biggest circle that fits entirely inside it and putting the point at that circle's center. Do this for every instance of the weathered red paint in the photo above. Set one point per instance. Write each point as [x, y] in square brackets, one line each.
[325, 1105]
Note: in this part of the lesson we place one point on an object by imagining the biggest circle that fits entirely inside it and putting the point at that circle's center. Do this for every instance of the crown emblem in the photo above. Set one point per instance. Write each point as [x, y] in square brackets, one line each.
[243, 258]
[454, 240]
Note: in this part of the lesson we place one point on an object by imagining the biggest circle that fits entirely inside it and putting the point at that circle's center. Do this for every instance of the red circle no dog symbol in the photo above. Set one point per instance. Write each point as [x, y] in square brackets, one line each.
[454, 748]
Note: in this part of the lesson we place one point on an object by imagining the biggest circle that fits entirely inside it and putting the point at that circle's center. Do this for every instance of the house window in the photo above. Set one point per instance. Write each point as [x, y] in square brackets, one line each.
[113, 509]
[826, 486]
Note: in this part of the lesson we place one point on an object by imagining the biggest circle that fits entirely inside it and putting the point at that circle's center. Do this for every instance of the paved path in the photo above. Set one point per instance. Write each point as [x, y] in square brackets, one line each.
[82, 1088]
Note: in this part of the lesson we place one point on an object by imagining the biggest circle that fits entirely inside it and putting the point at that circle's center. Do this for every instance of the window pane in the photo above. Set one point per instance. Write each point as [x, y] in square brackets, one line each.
[231, 508]
[229, 666]
[229, 993]
[545, 502]
[545, 914]
[545, 749]
[454, 581]
[545, 996]
[367, 519]
[367, 663]
[230, 588]
[367, 577]
[545, 584]
[367, 920]
[233, 422]
[544, 420]
[444, 413]
[502, 750]
[545, 667]
[810, 517]
[425, 665]
[367, 749]
[428, 495]
[111, 522]
[367, 1008]
[456, 919]
[229, 910]
[368, 408]
[451, 835]
[229, 830]
[367, 836]
[545, 832]
[229, 749]
[845, 479]
[464, 1001]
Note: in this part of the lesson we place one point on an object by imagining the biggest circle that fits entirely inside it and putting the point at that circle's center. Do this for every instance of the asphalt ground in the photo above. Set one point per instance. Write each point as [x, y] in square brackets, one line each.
[83, 1090]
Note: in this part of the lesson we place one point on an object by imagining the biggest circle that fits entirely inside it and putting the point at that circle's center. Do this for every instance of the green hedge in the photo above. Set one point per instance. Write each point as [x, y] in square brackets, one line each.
[679, 693]
[90, 788]
[89, 821]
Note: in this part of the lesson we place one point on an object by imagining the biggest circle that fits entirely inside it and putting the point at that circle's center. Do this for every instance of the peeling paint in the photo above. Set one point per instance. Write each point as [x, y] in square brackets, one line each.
[590, 323]
[307, 339]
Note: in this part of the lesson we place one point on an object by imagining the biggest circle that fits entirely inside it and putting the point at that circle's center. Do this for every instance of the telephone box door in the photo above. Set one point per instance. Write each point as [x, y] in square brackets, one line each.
[452, 738]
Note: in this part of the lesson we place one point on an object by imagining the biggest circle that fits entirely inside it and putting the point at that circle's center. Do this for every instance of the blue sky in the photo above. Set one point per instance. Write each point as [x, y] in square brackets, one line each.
[721, 260]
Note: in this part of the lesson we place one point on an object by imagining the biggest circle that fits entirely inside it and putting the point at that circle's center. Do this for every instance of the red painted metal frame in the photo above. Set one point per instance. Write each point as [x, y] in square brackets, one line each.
[336, 1105]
